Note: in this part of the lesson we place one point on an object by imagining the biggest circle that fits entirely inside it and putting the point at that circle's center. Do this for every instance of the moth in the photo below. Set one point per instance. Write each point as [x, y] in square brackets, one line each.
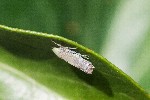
[73, 58]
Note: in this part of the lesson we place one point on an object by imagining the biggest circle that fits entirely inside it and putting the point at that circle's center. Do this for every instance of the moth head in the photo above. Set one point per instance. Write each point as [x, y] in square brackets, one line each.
[56, 50]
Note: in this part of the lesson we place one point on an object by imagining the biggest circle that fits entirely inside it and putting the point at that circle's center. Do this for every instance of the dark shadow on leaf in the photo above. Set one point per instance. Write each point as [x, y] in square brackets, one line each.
[23, 48]
[97, 80]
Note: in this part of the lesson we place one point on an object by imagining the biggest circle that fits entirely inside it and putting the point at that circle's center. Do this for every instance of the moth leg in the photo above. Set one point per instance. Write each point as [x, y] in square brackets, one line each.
[71, 48]
[85, 56]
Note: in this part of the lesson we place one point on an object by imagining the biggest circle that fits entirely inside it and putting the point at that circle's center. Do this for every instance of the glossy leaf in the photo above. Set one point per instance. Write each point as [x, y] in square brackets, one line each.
[28, 55]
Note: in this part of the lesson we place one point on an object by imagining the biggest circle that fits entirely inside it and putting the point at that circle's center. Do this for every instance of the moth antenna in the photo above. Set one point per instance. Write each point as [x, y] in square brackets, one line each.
[56, 43]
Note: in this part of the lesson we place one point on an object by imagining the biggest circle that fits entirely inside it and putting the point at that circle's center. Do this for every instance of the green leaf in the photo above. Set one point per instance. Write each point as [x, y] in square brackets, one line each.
[27, 57]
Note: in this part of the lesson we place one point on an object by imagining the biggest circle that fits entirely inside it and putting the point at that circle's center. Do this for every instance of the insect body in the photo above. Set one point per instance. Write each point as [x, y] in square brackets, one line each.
[73, 58]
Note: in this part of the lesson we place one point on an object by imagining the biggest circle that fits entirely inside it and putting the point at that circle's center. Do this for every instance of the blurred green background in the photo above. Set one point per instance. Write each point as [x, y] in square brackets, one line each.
[117, 29]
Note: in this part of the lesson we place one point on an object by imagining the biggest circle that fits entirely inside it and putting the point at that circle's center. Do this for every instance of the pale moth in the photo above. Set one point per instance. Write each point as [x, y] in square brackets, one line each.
[73, 58]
